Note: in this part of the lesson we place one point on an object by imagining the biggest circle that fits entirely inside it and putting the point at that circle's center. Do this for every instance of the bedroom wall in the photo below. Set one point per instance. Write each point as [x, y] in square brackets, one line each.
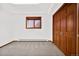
[5, 28]
[21, 33]
[12, 23]
[19, 17]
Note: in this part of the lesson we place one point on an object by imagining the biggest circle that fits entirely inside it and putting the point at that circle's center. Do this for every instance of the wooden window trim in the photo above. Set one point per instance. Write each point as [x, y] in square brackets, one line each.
[33, 18]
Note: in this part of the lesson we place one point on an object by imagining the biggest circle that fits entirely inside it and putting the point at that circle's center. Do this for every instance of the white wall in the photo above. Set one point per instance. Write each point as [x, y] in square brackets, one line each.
[19, 13]
[19, 17]
[12, 22]
[20, 31]
[5, 31]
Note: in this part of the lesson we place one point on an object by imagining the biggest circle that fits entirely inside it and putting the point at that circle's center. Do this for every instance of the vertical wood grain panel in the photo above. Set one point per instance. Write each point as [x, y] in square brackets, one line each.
[77, 42]
[65, 28]
[71, 38]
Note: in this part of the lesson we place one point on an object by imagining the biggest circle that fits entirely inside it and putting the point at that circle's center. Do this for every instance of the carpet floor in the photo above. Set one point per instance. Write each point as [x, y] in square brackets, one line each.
[30, 49]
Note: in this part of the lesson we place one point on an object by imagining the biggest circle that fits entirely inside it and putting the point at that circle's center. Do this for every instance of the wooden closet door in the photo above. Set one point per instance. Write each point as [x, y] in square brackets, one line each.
[71, 30]
[63, 31]
[58, 23]
[54, 29]
[57, 29]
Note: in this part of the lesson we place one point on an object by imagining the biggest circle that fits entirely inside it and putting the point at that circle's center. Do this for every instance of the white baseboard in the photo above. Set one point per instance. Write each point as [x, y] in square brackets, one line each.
[6, 42]
[33, 40]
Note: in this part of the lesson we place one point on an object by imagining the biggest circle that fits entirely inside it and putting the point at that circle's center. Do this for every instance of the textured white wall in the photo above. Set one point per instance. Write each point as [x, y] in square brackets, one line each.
[5, 28]
[20, 31]
[18, 16]
[12, 22]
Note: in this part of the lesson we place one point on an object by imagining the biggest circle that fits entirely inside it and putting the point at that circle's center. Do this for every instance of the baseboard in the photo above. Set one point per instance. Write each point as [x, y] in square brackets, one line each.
[6, 44]
[32, 40]
[25, 41]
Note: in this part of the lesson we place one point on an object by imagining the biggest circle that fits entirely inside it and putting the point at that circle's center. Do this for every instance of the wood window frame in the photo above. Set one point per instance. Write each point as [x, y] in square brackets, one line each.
[34, 19]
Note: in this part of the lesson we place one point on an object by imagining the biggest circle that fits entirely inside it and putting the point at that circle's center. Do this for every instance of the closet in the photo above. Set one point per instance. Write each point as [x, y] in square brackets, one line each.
[65, 28]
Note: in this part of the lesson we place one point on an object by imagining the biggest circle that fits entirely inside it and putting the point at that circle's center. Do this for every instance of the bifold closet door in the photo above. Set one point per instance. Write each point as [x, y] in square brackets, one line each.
[58, 23]
[54, 30]
[71, 29]
[57, 29]
[63, 31]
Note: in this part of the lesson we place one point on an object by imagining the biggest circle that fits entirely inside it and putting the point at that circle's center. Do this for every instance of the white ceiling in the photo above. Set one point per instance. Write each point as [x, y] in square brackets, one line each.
[30, 8]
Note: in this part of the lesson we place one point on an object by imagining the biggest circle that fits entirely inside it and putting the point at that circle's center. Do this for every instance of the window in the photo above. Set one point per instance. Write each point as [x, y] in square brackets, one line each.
[33, 22]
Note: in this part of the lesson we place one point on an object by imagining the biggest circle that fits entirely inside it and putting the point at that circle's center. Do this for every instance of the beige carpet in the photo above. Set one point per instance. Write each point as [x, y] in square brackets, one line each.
[30, 49]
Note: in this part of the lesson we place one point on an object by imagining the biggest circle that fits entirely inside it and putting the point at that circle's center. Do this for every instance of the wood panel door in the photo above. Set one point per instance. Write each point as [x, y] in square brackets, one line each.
[58, 23]
[63, 31]
[71, 29]
[54, 29]
[57, 29]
